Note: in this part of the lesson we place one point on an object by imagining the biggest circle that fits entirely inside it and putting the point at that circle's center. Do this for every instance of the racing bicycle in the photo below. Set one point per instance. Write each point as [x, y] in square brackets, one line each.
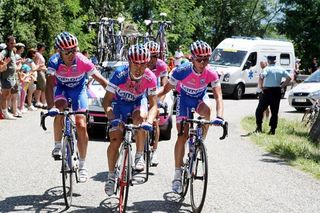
[69, 152]
[161, 33]
[124, 167]
[195, 166]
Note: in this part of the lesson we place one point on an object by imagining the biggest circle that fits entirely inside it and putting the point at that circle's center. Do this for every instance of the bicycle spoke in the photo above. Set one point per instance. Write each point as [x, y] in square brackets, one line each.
[124, 180]
[66, 172]
[199, 179]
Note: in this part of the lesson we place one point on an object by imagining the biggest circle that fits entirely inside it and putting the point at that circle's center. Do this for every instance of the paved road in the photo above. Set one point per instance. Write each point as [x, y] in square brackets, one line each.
[242, 177]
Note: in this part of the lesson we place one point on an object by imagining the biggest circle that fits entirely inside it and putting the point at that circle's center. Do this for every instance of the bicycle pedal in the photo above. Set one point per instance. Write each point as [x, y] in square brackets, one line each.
[154, 164]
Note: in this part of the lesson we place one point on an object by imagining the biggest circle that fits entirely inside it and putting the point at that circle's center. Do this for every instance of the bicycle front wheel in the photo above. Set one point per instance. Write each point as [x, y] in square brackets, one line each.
[199, 178]
[66, 171]
[124, 180]
[146, 154]
[185, 179]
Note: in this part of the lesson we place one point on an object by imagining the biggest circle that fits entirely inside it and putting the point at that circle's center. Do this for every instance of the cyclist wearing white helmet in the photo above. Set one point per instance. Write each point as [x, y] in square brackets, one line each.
[160, 69]
[126, 94]
[190, 81]
[67, 71]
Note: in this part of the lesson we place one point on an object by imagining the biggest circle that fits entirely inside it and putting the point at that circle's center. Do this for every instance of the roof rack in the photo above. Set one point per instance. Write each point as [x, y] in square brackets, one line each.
[247, 37]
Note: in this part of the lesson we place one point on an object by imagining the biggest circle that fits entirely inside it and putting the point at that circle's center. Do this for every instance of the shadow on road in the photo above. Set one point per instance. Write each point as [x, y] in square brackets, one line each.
[271, 158]
[35, 203]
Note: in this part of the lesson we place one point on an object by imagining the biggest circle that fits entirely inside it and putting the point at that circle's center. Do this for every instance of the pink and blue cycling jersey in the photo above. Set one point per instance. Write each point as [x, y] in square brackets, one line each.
[192, 88]
[192, 84]
[160, 71]
[130, 91]
[70, 81]
[73, 76]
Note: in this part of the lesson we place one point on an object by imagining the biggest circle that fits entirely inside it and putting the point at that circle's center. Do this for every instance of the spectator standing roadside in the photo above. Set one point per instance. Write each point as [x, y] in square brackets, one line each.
[313, 66]
[39, 95]
[7, 77]
[270, 81]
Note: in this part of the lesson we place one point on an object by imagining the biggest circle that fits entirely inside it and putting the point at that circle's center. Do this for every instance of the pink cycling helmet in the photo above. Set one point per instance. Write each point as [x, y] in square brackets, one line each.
[200, 49]
[139, 54]
[66, 40]
[153, 47]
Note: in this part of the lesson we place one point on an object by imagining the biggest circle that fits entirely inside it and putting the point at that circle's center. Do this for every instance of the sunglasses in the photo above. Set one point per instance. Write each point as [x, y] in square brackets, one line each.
[69, 52]
[202, 60]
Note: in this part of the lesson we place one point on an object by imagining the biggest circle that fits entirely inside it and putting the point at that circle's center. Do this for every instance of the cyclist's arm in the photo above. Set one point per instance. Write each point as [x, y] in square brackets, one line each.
[217, 93]
[164, 81]
[107, 105]
[98, 77]
[153, 109]
[49, 90]
[164, 90]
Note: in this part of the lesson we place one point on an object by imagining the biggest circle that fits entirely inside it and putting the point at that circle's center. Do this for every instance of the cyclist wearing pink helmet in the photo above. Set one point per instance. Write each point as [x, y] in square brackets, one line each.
[126, 94]
[67, 71]
[191, 81]
[160, 69]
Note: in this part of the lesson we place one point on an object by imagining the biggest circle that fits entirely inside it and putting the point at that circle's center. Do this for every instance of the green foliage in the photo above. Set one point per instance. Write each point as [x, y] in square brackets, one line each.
[33, 21]
[300, 23]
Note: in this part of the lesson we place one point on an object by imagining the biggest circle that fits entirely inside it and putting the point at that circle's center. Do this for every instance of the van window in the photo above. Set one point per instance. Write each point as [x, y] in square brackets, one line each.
[284, 59]
[253, 59]
[227, 57]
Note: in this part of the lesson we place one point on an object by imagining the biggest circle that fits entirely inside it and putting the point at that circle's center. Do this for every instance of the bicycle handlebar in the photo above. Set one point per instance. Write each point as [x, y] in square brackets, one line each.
[43, 117]
[203, 122]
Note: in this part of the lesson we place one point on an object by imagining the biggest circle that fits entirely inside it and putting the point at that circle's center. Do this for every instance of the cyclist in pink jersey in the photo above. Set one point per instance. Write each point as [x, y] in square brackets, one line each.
[160, 69]
[191, 80]
[126, 93]
[67, 71]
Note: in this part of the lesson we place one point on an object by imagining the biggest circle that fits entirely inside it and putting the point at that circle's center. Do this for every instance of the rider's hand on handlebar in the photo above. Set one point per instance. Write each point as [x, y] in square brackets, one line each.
[53, 112]
[218, 121]
[147, 126]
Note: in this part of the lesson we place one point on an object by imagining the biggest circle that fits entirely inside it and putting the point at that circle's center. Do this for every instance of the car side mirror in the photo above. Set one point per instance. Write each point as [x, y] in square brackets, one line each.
[247, 65]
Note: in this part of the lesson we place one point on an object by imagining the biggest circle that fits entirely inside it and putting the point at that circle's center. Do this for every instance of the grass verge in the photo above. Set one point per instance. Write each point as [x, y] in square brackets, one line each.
[291, 142]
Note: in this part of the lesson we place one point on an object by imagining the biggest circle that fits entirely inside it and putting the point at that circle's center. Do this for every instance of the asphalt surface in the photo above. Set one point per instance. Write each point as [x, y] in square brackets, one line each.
[242, 177]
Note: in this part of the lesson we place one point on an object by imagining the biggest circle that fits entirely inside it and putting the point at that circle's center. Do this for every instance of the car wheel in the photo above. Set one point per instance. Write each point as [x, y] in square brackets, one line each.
[238, 92]
[300, 109]
[165, 134]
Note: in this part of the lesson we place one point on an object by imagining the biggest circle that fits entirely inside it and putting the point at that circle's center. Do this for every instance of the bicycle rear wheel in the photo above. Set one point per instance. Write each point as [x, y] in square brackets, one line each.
[66, 171]
[199, 178]
[124, 180]
[100, 48]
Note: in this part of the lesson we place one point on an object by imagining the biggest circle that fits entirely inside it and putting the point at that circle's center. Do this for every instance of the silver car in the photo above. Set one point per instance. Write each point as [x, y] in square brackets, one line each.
[304, 94]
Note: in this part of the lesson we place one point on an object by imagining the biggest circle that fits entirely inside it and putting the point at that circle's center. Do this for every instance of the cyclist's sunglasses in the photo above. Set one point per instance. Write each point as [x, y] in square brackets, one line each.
[203, 60]
[69, 51]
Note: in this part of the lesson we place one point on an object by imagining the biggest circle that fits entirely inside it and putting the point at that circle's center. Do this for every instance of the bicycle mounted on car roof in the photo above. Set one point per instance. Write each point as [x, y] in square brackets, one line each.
[110, 43]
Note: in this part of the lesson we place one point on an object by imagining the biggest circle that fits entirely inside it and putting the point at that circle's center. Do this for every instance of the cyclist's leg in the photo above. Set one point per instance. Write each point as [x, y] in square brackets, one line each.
[204, 110]
[115, 135]
[182, 111]
[139, 115]
[80, 103]
[60, 103]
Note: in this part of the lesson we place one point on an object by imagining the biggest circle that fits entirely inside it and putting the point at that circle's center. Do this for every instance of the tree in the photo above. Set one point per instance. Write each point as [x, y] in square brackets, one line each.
[301, 23]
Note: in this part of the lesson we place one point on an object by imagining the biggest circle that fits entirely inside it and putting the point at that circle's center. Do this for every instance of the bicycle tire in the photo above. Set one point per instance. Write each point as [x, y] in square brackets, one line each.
[146, 155]
[124, 181]
[185, 179]
[201, 175]
[100, 47]
[66, 171]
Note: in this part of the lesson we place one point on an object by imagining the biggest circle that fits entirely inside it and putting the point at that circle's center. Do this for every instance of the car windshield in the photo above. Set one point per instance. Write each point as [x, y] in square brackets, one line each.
[314, 77]
[227, 57]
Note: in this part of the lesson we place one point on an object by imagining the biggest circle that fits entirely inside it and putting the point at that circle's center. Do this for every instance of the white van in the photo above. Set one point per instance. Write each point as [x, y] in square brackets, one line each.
[238, 59]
